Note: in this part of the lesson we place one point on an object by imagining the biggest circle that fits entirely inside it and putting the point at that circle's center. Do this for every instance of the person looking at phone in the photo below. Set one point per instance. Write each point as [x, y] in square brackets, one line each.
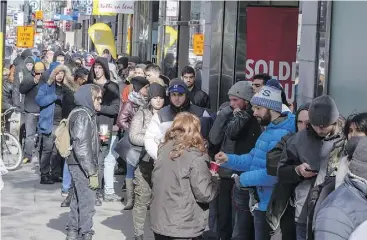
[311, 155]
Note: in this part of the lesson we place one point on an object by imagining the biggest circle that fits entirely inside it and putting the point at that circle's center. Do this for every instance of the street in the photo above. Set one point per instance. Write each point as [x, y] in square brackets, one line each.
[30, 211]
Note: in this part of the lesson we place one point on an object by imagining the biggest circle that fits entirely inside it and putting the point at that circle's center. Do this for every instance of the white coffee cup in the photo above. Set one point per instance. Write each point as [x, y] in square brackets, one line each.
[103, 129]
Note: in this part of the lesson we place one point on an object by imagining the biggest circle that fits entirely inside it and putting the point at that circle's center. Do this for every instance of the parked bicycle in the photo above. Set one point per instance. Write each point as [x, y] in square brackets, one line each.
[11, 150]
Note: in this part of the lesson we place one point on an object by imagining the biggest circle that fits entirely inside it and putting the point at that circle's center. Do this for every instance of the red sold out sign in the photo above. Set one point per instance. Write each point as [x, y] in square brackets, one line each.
[49, 24]
[272, 45]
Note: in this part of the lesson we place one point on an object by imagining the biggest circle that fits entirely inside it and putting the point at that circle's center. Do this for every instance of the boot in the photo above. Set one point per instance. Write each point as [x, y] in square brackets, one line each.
[67, 200]
[141, 237]
[46, 179]
[87, 236]
[129, 194]
[72, 235]
[98, 201]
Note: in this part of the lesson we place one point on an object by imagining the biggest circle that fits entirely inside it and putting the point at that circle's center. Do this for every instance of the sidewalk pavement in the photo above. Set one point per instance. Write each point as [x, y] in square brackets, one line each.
[30, 211]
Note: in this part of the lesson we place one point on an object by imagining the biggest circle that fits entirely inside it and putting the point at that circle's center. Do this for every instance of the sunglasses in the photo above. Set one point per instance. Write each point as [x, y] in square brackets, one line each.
[37, 74]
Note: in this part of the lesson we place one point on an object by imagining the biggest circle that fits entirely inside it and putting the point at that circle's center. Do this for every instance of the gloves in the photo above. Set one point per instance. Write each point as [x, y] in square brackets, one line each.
[93, 182]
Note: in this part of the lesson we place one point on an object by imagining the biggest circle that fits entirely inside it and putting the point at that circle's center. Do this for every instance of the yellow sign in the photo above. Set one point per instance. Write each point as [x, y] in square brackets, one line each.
[102, 38]
[39, 15]
[198, 44]
[25, 37]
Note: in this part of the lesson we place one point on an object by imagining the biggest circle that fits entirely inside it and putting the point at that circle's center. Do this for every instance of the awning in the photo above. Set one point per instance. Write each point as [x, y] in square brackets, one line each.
[59, 17]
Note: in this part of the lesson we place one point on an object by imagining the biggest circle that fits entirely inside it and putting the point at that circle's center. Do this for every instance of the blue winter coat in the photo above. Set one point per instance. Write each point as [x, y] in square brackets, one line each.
[253, 164]
[46, 98]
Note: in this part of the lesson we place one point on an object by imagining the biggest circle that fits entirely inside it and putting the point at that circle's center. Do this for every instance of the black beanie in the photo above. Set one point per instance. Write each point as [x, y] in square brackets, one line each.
[323, 111]
[138, 83]
[156, 90]
[358, 164]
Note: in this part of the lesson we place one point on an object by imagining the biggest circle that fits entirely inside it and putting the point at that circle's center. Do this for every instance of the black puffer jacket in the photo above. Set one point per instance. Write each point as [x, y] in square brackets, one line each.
[7, 100]
[199, 98]
[84, 133]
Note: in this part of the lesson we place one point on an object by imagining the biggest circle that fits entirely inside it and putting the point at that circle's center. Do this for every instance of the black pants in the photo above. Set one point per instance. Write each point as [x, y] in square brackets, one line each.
[51, 161]
[161, 237]
[288, 225]
[82, 202]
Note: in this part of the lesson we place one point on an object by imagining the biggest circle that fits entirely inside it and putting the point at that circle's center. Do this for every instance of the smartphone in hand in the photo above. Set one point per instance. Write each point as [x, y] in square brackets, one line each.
[311, 170]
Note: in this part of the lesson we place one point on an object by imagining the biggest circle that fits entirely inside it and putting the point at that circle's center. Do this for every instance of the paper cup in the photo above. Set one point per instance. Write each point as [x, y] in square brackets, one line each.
[103, 129]
[214, 166]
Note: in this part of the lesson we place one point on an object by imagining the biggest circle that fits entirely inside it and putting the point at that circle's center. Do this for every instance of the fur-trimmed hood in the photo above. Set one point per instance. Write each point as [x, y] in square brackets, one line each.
[68, 78]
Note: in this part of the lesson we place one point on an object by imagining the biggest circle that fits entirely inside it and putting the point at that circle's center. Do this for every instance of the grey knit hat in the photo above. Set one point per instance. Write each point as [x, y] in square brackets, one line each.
[358, 164]
[268, 97]
[323, 111]
[241, 89]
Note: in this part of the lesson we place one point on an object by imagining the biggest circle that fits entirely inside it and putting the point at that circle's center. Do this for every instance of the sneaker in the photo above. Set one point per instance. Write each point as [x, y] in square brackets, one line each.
[26, 160]
[64, 194]
[112, 198]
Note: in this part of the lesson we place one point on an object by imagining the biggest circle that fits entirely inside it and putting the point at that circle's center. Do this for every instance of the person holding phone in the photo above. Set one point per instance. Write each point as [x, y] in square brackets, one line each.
[311, 155]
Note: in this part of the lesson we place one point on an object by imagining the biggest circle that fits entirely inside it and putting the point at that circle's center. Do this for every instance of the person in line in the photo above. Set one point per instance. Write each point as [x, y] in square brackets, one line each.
[259, 81]
[81, 76]
[346, 207]
[305, 168]
[182, 183]
[267, 106]
[162, 120]
[143, 172]
[8, 80]
[153, 71]
[280, 212]
[83, 162]
[197, 96]
[50, 99]
[137, 99]
[100, 75]
[29, 88]
[235, 131]
[140, 70]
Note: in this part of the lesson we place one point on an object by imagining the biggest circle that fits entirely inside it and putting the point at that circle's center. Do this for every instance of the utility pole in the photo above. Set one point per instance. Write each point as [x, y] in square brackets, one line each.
[3, 10]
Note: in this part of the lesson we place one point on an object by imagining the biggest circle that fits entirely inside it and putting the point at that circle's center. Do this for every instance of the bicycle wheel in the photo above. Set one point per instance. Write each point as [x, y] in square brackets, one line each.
[11, 151]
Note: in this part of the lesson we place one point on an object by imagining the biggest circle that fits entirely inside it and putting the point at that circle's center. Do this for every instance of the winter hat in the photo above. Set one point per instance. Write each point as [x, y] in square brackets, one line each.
[323, 111]
[242, 89]
[358, 165]
[39, 67]
[156, 90]
[268, 97]
[29, 60]
[134, 59]
[177, 86]
[138, 83]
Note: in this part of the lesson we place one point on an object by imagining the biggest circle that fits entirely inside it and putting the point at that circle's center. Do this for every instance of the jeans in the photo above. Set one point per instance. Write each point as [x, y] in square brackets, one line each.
[301, 230]
[262, 228]
[31, 121]
[109, 168]
[130, 171]
[82, 202]
[51, 161]
[104, 150]
[243, 226]
[66, 179]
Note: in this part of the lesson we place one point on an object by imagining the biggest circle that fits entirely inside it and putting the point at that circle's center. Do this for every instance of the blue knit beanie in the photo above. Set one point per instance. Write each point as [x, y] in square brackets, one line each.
[268, 97]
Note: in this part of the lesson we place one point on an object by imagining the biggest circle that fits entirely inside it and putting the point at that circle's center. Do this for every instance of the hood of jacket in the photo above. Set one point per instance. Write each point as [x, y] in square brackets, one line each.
[284, 122]
[68, 78]
[83, 97]
[305, 106]
[359, 183]
[26, 53]
[104, 63]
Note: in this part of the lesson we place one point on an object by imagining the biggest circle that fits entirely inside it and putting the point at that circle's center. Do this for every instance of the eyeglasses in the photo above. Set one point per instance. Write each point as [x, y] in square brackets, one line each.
[37, 74]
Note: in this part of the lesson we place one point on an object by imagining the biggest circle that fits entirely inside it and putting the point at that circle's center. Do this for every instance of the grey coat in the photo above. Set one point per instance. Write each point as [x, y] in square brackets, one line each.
[139, 125]
[305, 147]
[182, 189]
[343, 210]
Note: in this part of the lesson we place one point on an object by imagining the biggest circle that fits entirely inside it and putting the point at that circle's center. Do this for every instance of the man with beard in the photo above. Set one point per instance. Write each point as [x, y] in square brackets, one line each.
[267, 107]
[309, 156]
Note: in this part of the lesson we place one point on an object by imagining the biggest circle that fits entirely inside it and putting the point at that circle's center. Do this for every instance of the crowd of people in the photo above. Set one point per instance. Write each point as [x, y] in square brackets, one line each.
[255, 169]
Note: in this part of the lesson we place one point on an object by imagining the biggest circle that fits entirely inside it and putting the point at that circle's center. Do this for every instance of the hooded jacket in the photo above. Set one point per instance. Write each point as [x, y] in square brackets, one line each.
[163, 120]
[21, 73]
[84, 132]
[46, 98]
[298, 152]
[253, 164]
[128, 110]
[111, 95]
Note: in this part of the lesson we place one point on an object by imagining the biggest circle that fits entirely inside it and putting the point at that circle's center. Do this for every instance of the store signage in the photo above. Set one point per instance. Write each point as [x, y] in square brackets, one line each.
[271, 45]
[198, 44]
[25, 37]
[172, 8]
[39, 26]
[84, 7]
[39, 15]
[108, 6]
[49, 24]
[154, 46]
